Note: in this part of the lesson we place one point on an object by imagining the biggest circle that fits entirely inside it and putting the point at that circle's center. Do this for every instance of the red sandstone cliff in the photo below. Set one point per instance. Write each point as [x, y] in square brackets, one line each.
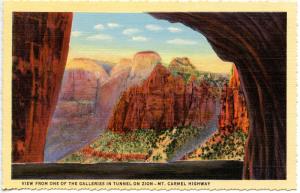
[124, 75]
[233, 114]
[40, 48]
[163, 101]
[87, 98]
[81, 84]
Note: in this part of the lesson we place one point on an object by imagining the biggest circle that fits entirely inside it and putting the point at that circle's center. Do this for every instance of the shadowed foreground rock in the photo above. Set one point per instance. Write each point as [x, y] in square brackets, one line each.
[256, 43]
[40, 50]
[224, 170]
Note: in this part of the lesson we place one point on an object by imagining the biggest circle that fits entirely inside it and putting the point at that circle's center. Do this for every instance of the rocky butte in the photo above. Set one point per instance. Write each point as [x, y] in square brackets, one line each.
[124, 75]
[163, 101]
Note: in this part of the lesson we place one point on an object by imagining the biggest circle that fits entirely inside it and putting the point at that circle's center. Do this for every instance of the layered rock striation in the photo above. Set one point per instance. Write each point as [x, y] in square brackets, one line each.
[124, 75]
[74, 121]
[163, 101]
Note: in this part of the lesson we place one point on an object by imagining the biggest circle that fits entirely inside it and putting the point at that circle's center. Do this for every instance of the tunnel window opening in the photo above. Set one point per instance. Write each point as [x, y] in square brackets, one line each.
[139, 89]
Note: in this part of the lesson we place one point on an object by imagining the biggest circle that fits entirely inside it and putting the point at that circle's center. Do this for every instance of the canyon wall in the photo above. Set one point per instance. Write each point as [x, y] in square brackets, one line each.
[233, 114]
[124, 75]
[256, 43]
[74, 121]
[39, 48]
[79, 85]
[163, 101]
[89, 92]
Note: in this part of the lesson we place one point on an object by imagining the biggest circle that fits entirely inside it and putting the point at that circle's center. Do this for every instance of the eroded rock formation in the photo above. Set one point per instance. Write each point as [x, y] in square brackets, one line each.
[163, 101]
[233, 114]
[80, 85]
[143, 64]
[256, 43]
[124, 75]
[182, 65]
[74, 122]
[40, 49]
[82, 79]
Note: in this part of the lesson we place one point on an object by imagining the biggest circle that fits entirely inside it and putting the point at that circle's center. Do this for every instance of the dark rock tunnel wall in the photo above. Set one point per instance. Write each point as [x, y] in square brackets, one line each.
[255, 42]
[40, 50]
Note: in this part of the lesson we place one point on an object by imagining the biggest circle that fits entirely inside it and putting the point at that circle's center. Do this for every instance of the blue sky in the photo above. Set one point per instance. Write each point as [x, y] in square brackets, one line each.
[111, 36]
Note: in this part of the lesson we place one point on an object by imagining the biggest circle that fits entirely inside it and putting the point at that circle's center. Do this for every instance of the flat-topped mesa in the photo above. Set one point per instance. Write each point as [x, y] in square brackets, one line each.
[91, 65]
[143, 64]
[162, 101]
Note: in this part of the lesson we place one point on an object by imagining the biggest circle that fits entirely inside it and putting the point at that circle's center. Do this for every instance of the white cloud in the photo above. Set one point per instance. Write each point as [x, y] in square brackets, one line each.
[113, 25]
[139, 38]
[153, 27]
[130, 31]
[99, 27]
[99, 37]
[179, 41]
[76, 33]
[174, 29]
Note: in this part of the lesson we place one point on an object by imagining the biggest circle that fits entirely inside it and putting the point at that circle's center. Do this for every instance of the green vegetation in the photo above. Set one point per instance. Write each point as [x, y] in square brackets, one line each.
[222, 147]
[160, 146]
[184, 68]
[73, 158]
[139, 141]
[179, 138]
[154, 145]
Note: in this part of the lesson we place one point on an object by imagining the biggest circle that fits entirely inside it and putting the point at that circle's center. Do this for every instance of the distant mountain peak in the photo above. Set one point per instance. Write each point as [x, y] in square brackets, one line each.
[182, 62]
[89, 64]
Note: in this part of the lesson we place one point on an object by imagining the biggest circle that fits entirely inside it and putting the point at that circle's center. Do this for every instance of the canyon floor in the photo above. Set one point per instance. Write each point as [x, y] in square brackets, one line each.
[225, 170]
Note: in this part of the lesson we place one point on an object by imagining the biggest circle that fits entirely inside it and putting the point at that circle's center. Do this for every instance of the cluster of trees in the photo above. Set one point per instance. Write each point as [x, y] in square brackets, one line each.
[134, 145]
[222, 146]
[140, 144]
[180, 137]
[110, 146]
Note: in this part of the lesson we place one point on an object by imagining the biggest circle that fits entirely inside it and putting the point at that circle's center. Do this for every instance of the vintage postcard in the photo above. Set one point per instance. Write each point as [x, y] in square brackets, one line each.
[149, 95]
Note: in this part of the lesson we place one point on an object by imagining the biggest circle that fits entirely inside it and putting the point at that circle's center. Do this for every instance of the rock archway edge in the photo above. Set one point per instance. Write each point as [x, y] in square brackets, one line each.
[256, 43]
